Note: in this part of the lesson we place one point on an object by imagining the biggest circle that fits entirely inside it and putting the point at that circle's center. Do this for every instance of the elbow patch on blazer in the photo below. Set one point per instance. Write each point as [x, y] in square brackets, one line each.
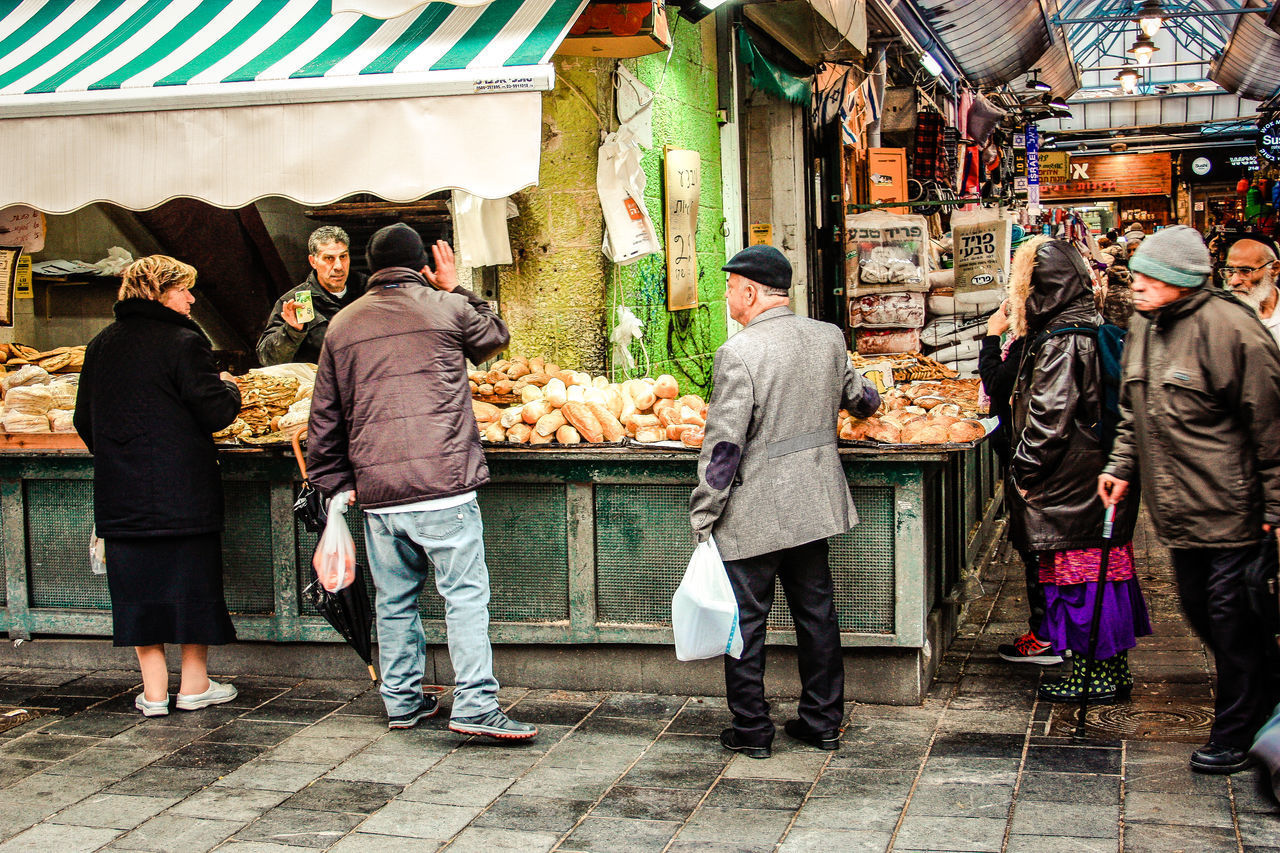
[870, 400]
[725, 457]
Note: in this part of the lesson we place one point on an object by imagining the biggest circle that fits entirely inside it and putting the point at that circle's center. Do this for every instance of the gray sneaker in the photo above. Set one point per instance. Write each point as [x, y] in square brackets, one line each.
[149, 708]
[215, 695]
[494, 724]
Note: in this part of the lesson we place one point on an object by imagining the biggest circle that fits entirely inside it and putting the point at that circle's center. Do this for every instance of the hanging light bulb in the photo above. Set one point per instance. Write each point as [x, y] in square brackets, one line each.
[1150, 18]
[1128, 79]
[1143, 48]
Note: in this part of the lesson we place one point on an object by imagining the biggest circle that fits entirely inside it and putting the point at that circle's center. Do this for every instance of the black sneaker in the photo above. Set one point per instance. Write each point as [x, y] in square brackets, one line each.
[494, 724]
[729, 740]
[828, 740]
[430, 704]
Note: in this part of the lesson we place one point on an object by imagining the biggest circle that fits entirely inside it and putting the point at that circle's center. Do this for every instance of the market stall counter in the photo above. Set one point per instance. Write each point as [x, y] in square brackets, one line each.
[585, 547]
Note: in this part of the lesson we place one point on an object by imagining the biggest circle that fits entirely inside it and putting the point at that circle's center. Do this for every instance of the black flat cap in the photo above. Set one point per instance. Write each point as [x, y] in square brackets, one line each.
[396, 246]
[763, 265]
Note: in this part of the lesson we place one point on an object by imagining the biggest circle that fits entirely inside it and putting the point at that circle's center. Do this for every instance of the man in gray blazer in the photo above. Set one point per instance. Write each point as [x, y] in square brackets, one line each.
[772, 490]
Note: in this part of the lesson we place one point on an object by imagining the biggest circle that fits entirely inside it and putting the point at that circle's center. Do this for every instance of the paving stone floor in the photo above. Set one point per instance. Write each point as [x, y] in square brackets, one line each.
[980, 766]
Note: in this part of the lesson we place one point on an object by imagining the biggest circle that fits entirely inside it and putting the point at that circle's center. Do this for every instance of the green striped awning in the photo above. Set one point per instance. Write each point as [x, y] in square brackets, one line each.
[60, 57]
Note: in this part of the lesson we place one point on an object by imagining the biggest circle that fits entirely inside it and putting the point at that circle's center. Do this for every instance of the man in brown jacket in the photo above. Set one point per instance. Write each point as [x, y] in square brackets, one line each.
[391, 417]
[1200, 421]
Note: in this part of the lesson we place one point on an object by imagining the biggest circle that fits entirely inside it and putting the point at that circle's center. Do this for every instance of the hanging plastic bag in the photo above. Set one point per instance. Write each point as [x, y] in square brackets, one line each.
[97, 553]
[335, 558]
[704, 610]
[628, 230]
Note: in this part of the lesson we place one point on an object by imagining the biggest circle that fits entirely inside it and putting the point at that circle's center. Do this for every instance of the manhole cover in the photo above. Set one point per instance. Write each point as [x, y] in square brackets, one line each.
[1152, 585]
[11, 718]
[1160, 721]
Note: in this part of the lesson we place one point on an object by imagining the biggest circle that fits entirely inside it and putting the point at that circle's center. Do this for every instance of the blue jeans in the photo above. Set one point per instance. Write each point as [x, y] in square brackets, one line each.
[403, 547]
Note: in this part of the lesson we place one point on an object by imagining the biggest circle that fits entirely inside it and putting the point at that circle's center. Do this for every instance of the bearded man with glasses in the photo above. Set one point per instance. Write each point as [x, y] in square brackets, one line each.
[1250, 273]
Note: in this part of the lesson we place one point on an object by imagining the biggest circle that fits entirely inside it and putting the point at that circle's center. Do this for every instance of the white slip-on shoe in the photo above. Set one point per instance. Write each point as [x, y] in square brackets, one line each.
[215, 695]
[151, 709]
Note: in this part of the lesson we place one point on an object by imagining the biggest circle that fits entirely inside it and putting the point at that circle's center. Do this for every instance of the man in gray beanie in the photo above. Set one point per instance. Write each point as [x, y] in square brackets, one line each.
[1200, 421]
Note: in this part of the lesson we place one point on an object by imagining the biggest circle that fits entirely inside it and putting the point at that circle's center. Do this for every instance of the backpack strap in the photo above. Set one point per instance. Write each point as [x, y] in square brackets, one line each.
[1029, 359]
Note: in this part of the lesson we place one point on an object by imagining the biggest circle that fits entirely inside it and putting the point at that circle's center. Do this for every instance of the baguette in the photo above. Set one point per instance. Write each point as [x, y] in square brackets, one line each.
[550, 422]
[580, 416]
[510, 417]
[610, 426]
[532, 412]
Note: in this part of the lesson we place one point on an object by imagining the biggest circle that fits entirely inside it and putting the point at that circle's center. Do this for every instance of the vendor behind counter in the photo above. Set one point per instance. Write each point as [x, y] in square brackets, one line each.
[332, 285]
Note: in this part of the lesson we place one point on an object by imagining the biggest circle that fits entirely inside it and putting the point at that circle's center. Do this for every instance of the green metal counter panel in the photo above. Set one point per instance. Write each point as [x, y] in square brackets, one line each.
[582, 545]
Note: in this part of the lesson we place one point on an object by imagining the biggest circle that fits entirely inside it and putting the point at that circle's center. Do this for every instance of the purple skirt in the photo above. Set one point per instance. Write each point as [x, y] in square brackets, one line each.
[1069, 613]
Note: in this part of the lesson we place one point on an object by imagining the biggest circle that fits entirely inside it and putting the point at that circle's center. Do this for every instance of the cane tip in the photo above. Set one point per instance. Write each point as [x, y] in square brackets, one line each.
[373, 675]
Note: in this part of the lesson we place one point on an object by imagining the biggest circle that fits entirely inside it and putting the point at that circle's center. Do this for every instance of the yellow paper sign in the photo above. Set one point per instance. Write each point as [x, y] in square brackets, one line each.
[762, 234]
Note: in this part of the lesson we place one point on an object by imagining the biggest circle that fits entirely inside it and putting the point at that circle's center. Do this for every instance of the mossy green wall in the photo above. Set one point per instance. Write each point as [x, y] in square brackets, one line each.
[682, 343]
[559, 295]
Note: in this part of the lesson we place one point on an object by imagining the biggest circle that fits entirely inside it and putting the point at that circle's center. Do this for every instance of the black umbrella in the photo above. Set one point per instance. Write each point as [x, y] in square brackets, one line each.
[1108, 522]
[308, 507]
[348, 611]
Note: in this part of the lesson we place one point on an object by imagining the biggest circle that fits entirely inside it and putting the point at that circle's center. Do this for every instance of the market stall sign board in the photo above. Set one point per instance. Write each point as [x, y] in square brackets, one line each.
[682, 186]
[1055, 167]
[1269, 137]
[8, 279]
[1112, 175]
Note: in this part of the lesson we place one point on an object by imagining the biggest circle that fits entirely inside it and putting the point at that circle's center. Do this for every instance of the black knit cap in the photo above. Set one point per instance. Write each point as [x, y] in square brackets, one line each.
[762, 264]
[396, 246]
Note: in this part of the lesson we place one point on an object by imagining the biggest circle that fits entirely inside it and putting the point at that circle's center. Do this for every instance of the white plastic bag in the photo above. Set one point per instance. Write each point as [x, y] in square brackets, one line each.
[97, 553]
[335, 558]
[704, 611]
[628, 230]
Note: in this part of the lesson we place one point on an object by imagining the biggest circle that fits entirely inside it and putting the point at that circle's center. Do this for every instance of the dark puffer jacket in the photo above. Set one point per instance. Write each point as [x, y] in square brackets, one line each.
[1056, 448]
[149, 400]
[391, 409]
[1200, 421]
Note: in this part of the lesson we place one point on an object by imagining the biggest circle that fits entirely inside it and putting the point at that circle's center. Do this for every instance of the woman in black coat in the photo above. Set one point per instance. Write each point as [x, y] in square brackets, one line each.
[1056, 451]
[150, 398]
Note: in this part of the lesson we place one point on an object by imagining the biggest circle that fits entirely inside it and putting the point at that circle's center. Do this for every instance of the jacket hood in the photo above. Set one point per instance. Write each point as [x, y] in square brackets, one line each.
[1048, 277]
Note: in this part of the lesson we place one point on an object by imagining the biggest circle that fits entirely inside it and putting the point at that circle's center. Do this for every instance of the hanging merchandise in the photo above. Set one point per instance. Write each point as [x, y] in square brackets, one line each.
[635, 106]
[628, 231]
[981, 245]
[480, 228]
[768, 77]
[930, 161]
[629, 329]
[888, 268]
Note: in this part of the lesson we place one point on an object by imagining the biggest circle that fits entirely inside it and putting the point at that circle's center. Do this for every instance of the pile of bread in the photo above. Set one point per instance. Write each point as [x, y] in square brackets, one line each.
[36, 401]
[941, 412]
[269, 405]
[572, 407]
[57, 360]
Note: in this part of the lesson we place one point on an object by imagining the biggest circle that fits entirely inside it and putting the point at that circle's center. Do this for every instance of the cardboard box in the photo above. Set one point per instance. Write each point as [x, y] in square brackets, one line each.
[618, 30]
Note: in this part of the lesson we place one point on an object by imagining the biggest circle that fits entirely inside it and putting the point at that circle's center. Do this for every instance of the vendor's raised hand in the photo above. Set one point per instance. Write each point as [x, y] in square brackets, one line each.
[445, 276]
[290, 314]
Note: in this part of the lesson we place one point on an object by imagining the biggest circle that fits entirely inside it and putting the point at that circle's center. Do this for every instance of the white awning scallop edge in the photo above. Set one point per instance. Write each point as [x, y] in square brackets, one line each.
[399, 149]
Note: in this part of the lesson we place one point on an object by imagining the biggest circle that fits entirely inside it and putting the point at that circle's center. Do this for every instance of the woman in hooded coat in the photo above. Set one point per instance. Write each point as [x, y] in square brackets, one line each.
[1055, 458]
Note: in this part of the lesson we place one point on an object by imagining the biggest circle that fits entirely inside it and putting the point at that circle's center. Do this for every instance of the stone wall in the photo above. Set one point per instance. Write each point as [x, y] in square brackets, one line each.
[560, 294]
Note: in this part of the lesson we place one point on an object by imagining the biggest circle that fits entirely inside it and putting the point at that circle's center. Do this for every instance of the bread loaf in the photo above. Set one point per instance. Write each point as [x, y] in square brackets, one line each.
[693, 401]
[881, 429]
[519, 433]
[568, 435]
[536, 437]
[537, 363]
[692, 437]
[28, 374]
[666, 386]
[26, 422]
[494, 432]
[924, 432]
[967, 430]
[675, 431]
[529, 393]
[532, 412]
[610, 426]
[667, 415]
[581, 418]
[638, 421]
[555, 392]
[60, 420]
[518, 371]
[485, 389]
[642, 395]
[550, 422]
[31, 399]
[648, 434]
[613, 399]
[511, 417]
[690, 416]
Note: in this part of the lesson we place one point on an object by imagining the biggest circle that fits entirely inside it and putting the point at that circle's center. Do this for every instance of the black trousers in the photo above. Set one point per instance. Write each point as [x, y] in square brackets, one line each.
[806, 582]
[1212, 588]
[1036, 605]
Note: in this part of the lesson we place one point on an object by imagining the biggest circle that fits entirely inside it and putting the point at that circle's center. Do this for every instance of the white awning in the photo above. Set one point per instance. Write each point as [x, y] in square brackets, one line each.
[139, 101]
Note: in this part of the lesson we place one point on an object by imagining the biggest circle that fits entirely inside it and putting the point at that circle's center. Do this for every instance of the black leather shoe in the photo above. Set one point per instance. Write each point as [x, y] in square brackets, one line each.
[729, 740]
[828, 740]
[1221, 760]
